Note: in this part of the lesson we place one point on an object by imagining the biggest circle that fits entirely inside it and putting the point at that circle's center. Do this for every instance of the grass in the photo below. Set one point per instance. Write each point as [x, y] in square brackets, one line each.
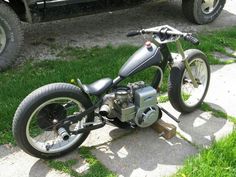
[63, 166]
[92, 64]
[216, 42]
[163, 99]
[217, 161]
[88, 65]
[96, 168]
[217, 113]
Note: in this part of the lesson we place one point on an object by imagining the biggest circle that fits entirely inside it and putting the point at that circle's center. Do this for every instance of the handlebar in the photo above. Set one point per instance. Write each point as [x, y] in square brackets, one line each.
[165, 32]
[191, 39]
[133, 33]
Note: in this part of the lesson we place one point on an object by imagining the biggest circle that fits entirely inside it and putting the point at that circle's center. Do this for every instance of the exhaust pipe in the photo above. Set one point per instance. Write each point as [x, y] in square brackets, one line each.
[105, 110]
[63, 133]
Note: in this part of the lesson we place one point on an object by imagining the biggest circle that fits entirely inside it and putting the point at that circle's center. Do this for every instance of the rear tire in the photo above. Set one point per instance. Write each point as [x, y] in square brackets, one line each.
[182, 95]
[28, 112]
[197, 11]
[11, 36]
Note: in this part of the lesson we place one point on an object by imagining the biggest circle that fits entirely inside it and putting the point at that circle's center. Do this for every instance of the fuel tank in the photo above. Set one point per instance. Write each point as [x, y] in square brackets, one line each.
[146, 56]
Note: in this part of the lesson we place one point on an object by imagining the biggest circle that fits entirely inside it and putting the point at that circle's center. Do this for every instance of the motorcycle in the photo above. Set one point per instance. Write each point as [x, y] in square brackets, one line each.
[57, 118]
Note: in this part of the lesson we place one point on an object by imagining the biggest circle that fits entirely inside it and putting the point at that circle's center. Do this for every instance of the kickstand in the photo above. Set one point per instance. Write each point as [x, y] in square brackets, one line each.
[169, 114]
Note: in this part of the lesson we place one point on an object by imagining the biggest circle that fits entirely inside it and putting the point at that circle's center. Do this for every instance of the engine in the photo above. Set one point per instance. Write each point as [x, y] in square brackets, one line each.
[135, 103]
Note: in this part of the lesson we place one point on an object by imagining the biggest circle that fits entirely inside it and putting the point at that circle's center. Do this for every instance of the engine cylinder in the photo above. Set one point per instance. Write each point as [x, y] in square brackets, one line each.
[122, 97]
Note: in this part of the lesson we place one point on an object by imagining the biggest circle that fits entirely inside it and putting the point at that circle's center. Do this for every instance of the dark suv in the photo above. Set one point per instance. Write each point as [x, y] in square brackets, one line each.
[32, 11]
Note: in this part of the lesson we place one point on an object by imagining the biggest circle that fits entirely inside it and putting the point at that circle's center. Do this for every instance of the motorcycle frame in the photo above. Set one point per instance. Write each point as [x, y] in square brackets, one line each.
[156, 83]
[186, 63]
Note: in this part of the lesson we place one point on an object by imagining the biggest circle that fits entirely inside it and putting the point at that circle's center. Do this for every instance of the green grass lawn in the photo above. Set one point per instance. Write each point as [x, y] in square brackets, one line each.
[217, 161]
[92, 64]
[88, 65]
[96, 168]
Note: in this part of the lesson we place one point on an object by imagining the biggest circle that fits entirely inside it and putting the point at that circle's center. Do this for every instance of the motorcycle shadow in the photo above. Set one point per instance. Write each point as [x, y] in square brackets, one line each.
[203, 128]
[145, 153]
[39, 168]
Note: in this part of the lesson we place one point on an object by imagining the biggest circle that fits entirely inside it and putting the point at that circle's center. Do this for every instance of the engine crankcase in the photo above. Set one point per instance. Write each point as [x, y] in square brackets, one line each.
[146, 103]
[145, 117]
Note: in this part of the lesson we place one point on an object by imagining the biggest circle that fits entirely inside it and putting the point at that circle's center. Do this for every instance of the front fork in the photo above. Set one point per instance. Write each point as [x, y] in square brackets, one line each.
[186, 63]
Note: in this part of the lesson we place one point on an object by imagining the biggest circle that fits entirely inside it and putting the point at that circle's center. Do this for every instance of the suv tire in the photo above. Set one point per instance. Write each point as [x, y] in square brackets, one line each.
[11, 36]
[202, 12]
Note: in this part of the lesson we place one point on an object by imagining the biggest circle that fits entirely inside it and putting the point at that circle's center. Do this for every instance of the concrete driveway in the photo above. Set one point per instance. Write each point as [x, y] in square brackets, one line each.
[143, 152]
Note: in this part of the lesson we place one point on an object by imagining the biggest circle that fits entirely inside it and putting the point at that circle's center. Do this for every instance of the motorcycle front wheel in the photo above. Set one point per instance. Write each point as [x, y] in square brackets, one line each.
[183, 96]
[36, 124]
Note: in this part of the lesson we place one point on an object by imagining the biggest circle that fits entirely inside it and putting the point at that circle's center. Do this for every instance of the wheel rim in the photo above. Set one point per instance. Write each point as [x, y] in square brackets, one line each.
[50, 141]
[209, 6]
[3, 39]
[192, 96]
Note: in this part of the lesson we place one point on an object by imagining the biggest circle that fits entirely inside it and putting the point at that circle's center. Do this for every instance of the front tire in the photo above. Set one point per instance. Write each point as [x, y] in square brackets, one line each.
[35, 125]
[182, 94]
[11, 36]
[202, 11]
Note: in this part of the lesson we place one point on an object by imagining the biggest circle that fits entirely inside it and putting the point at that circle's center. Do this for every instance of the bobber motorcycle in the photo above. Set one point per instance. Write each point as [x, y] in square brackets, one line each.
[57, 118]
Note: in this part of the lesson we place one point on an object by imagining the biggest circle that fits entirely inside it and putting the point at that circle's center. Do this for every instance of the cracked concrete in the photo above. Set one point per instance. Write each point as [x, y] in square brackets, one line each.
[19, 164]
[142, 152]
[223, 57]
[221, 93]
[200, 128]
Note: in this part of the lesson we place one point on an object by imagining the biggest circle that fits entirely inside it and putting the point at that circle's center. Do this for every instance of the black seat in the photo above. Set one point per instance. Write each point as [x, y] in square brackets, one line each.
[98, 87]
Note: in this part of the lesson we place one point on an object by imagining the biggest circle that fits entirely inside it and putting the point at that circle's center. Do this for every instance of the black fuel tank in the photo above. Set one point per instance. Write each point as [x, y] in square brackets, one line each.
[140, 60]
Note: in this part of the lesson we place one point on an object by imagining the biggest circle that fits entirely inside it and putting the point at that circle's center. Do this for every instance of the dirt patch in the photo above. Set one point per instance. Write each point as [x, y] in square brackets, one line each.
[45, 40]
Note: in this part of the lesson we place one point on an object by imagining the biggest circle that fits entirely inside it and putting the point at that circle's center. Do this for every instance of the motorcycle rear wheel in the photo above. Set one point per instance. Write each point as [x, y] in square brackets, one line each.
[37, 120]
[182, 94]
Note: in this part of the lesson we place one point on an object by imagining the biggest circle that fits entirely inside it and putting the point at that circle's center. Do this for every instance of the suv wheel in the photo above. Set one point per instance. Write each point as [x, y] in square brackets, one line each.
[11, 36]
[202, 11]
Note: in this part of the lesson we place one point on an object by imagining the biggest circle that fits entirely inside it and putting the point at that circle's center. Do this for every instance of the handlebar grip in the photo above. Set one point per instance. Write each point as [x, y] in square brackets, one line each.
[191, 39]
[133, 33]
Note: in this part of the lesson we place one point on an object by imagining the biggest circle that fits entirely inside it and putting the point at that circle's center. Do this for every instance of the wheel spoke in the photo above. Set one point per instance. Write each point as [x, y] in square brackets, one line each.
[189, 94]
